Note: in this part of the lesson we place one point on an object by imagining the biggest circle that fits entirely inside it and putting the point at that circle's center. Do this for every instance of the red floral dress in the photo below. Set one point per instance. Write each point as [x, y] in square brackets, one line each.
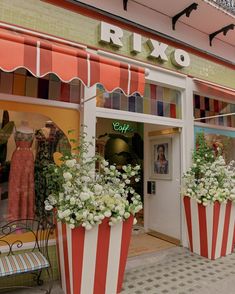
[21, 195]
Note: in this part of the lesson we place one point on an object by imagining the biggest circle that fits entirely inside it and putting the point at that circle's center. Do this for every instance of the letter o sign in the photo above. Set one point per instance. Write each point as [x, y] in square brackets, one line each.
[180, 58]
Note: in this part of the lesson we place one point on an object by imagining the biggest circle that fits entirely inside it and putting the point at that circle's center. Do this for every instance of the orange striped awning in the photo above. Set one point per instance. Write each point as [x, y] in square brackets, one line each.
[41, 57]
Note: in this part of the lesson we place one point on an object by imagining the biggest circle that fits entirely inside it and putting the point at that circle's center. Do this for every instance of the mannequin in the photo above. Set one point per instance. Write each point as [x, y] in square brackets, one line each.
[21, 193]
[49, 129]
[24, 127]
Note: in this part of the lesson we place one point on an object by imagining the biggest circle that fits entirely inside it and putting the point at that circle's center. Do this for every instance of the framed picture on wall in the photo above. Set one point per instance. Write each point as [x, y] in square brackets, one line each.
[161, 158]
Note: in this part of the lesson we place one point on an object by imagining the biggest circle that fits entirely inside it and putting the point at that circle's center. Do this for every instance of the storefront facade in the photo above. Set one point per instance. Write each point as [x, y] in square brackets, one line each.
[170, 90]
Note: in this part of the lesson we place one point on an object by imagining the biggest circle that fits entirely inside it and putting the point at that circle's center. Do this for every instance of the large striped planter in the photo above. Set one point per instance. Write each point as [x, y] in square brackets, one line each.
[93, 262]
[210, 228]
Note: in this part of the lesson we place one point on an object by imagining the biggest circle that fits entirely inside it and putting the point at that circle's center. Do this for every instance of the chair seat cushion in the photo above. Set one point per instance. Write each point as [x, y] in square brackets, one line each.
[22, 263]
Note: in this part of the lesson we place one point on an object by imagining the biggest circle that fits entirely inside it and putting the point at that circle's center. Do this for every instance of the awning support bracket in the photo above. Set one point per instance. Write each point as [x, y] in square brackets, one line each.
[125, 4]
[224, 30]
[187, 11]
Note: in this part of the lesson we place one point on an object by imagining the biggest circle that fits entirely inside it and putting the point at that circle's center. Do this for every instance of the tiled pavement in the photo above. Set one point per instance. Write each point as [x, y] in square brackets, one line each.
[175, 271]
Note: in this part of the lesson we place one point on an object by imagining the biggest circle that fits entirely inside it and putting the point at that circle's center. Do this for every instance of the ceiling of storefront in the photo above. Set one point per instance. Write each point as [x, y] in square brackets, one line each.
[208, 17]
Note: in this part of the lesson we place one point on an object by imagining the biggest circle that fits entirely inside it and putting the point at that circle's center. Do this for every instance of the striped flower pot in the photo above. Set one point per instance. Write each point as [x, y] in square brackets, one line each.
[93, 262]
[210, 228]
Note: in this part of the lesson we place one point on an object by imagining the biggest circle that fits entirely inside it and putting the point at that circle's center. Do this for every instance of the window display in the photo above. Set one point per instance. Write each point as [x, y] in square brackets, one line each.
[31, 140]
[157, 100]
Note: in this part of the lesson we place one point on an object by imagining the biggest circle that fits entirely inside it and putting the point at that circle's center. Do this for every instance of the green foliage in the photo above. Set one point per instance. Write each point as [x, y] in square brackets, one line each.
[209, 179]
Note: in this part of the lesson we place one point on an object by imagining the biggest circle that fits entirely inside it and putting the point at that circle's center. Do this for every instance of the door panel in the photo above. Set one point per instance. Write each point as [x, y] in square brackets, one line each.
[162, 209]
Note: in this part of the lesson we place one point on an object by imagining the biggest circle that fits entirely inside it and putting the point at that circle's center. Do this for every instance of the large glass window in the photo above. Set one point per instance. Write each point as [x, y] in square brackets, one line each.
[157, 100]
[213, 111]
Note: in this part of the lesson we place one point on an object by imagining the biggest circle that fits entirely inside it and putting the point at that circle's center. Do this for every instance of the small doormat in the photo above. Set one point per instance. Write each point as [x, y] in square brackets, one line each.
[143, 243]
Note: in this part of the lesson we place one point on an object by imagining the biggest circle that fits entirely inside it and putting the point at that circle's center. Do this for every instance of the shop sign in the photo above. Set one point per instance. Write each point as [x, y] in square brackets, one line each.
[114, 36]
[122, 128]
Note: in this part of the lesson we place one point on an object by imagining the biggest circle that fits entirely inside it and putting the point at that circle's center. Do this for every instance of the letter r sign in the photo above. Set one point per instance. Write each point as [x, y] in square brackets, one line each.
[111, 34]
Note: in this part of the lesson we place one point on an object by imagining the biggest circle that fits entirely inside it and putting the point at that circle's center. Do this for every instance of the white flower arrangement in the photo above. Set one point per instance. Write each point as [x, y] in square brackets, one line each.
[209, 179]
[83, 196]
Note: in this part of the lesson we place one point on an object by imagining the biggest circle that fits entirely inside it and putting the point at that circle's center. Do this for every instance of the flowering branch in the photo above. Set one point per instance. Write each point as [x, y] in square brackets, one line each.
[209, 179]
[84, 196]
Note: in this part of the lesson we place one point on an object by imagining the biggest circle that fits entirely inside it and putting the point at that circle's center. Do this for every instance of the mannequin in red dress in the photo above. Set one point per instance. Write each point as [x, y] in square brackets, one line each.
[21, 195]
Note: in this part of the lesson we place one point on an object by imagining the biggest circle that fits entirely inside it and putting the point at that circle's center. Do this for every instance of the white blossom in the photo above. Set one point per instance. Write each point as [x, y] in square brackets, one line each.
[84, 196]
[107, 213]
[209, 179]
[71, 162]
[72, 200]
[67, 176]
[48, 207]
[105, 163]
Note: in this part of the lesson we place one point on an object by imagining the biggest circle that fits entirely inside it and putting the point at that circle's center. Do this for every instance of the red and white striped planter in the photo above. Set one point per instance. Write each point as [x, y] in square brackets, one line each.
[93, 262]
[210, 228]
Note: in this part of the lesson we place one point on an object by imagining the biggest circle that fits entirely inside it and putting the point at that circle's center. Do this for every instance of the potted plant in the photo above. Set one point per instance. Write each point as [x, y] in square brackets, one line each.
[95, 212]
[208, 196]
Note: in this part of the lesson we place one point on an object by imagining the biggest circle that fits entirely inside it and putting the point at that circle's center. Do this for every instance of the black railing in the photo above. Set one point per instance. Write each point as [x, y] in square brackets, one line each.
[40, 231]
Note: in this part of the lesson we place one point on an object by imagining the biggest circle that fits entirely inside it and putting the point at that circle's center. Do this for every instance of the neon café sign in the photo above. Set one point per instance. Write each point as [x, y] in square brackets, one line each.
[113, 35]
[122, 128]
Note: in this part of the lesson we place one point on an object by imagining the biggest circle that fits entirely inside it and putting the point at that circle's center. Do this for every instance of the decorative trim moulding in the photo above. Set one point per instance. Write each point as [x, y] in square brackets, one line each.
[164, 237]
[138, 117]
[41, 35]
[164, 132]
[214, 127]
[38, 101]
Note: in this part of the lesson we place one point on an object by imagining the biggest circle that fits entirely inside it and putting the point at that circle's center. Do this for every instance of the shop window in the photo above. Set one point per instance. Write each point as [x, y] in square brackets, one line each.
[218, 139]
[21, 82]
[160, 101]
[211, 111]
[28, 142]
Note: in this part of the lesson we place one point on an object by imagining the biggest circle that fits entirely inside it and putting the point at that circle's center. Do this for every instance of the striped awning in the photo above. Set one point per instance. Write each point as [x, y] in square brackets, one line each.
[209, 88]
[41, 57]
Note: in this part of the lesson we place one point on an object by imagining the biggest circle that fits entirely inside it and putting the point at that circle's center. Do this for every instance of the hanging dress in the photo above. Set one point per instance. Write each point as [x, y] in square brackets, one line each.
[6, 132]
[21, 194]
[46, 146]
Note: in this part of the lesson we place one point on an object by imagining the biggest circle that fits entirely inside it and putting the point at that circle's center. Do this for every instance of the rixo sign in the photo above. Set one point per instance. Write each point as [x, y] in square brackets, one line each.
[113, 35]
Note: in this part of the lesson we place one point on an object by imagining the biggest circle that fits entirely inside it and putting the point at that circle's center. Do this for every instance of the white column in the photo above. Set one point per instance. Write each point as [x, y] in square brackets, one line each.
[187, 145]
[88, 116]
